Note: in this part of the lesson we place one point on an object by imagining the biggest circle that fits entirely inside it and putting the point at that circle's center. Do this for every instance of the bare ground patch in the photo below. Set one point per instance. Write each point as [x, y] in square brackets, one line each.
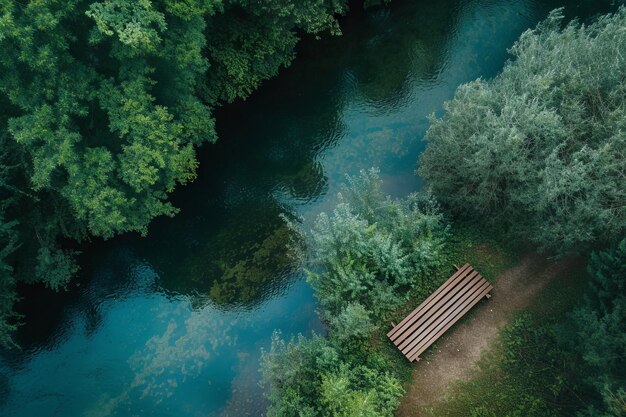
[455, 355]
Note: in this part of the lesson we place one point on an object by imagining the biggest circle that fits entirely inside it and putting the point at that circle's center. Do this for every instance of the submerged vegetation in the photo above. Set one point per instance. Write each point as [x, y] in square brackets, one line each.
[539, 150]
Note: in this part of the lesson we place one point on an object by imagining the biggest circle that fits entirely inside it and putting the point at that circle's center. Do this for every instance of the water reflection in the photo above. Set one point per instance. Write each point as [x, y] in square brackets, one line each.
[230, 242]
[389, 54]
[173, 324]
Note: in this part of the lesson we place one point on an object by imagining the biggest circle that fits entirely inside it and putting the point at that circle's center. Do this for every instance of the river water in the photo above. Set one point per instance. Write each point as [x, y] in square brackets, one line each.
[173, 324]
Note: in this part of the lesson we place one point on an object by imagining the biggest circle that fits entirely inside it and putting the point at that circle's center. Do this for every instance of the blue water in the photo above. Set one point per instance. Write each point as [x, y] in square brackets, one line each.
[173, 324]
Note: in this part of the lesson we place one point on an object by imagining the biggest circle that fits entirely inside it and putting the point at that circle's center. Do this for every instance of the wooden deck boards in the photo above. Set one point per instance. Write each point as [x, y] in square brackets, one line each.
[435, 315]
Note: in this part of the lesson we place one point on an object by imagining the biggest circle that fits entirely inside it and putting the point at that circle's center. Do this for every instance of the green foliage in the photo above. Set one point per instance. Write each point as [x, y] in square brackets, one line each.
[599, 330]
[373, 250]
[360, 392]
[133, 74]
[8, 244]
[134, 23]
[608, 279]
[258, 39]
[102, 104]
[539, 150]
[311, 377]
[55, 266]
[353, 322]
[369, 254]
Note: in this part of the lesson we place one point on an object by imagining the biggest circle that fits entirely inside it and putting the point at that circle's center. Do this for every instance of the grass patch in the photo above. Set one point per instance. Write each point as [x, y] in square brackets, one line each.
[523, 387]
[477, 392]
[489, 253]
[476, 246]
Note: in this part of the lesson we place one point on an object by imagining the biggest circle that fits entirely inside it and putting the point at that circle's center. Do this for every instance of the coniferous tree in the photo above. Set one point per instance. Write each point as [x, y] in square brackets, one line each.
[600, 331]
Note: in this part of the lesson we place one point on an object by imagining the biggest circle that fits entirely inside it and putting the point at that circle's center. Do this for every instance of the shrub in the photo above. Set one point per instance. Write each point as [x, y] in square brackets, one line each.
[309, 377]
[369, 254]
[373, 250]
[354, 322]
[539, 150]
[598, 332]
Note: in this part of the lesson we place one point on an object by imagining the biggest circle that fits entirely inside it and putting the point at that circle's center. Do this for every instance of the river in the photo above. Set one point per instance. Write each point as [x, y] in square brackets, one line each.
[173, 324]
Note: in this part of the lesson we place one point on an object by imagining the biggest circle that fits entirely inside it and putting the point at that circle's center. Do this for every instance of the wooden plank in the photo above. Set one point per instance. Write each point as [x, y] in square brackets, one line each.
[454, 292]
[450, 315]
[450, 297]
[432, 309]
[441, 314]
[434, 332]
[414, 355]
[402, 325]
[439, 290]
[418, 328]
[440, 311]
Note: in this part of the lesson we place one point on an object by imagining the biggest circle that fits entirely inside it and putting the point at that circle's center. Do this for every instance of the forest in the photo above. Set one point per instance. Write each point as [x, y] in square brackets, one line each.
[106, 105]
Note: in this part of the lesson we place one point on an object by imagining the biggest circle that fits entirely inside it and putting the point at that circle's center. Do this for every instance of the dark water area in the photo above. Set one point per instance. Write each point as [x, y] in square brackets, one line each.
[173, 324]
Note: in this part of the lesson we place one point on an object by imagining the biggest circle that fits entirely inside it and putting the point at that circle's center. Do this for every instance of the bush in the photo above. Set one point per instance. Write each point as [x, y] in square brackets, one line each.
[310, 377]
[598, 331]
[374, 250]
[354, 322]
[368, 255]
[539, 150]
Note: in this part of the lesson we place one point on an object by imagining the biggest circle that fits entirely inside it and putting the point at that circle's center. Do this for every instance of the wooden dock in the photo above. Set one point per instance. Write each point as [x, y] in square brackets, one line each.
[424, 325]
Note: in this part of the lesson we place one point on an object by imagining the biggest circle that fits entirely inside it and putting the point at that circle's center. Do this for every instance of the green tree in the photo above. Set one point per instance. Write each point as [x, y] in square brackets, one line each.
[539, 150]
[252, 41]
[372, 250]
[103, 103]
[600, 331]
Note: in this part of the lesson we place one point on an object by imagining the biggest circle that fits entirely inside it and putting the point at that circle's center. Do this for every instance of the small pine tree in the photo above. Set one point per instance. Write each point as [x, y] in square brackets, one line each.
[600, 330]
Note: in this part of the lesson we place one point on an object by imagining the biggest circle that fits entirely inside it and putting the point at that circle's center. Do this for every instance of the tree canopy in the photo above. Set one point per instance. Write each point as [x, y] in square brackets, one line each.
[540, 149]
[102, 104]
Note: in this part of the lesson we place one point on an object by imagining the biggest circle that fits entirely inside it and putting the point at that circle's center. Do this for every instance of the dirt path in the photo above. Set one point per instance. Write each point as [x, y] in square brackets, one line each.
[457, 352]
